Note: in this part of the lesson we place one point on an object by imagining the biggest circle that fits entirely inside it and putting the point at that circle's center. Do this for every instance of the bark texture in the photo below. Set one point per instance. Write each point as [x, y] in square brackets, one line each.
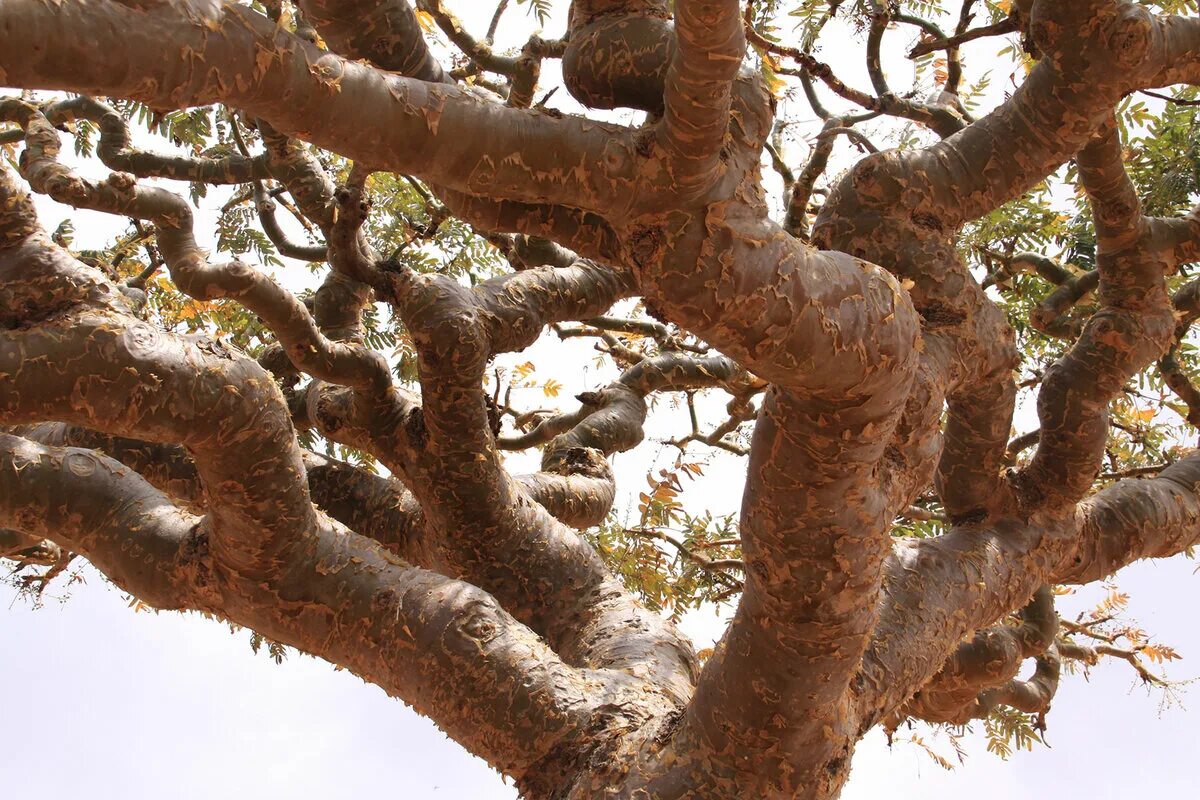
[886, 373]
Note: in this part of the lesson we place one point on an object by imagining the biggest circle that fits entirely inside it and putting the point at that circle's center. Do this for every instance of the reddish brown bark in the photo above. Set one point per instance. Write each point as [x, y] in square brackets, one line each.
[172, 463]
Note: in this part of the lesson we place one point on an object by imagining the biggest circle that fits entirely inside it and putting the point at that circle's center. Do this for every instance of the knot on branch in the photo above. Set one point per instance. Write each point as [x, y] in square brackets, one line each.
[274, 360]
[328, 71]
[196, 563]
[867, 178]
[414, 427]
[1129, 37]
[477, 621]
[585, 461]
[330, 409]
[940, 315]
[591, 399]
[61, 186]
[646, 245]
[1087, 34]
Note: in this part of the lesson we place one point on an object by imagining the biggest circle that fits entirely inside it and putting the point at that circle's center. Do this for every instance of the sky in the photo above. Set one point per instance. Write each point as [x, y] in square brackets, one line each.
[104, 702]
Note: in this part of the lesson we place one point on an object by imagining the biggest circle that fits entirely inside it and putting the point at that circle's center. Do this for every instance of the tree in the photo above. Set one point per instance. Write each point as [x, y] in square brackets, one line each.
[895, 553]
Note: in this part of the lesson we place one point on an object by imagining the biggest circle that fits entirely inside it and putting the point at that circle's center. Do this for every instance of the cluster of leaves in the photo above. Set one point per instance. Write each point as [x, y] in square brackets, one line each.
[1164, 156]
[524, 376]
[673, 560]
[276, 651]
[542, 9]
[31, 583]
[1009, 730]
[1006, 731]
[1108, 623]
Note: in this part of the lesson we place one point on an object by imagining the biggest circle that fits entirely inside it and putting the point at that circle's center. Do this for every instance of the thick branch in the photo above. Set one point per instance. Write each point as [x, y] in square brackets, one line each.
[698, 90]
[544, 573]
[939, 590]
[988, 661]
[389, 122]
[93, 505]
[385, 33]
[1133, 327]
[431, 640]
[611, 419]
[98, 368]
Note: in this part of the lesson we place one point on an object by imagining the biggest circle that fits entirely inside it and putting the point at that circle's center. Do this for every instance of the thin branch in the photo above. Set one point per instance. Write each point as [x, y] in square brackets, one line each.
[120, 194]
[1009, 24]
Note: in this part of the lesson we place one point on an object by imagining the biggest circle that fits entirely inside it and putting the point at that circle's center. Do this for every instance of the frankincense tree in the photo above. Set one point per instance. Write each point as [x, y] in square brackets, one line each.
[170, 417]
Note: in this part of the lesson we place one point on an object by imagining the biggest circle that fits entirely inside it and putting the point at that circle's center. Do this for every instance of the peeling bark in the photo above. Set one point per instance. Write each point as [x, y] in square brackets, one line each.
[172, 462]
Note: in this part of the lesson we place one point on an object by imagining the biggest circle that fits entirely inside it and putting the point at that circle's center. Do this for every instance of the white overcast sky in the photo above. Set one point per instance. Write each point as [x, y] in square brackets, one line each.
[100, 702]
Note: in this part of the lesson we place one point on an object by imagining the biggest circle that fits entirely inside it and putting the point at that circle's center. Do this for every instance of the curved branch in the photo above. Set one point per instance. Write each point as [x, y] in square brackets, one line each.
[942, 120]
[611, 419]
[1051, 317]
[1094, 53]
[1010, 24]
[1181, 44]
[585, 233]
[989, 661]
[544, 573]
[1032, 696]
[385, 33]
[95, 506]
[1134, 326]
[881, 18]
[516, 308]
[167, 467]
[379, 508]
[433, 641]
[940, 589]
[308, 349]
[390, 122]
[903, 210]
[522, 70]
[698, 90]
[93, 364]
[116, 150]
[292, 164]
[796, 219]
[1137, 518]
[382, 509]
[265, 207]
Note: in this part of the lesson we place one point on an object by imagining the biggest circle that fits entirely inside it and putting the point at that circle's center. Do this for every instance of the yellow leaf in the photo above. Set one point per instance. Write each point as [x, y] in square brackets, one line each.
[189, 311]
[522, 371]
[664, 492]
[775, 85]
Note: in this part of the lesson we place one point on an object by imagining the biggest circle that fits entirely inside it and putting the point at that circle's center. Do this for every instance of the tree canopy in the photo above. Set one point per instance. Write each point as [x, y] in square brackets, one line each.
[941, 325]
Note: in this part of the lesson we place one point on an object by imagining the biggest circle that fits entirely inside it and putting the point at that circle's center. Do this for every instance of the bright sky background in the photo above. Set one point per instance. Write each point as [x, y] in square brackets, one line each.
[101, 702]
